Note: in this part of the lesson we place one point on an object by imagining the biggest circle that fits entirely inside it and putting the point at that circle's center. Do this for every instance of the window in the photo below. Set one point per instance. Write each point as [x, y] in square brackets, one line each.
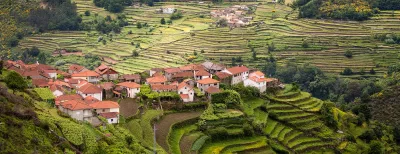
[112, 120]
[215, 84]
[104, 110]
[181, 92]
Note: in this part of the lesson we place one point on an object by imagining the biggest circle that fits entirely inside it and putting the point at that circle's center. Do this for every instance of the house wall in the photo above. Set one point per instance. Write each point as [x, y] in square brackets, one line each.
[112, 77]
[112, 120]
[93, 79]
[58, 93]
[203, 87]
[239, 77]
[133, 92]
[203, 77]
[107, 110]
[53, 75]
[260, 85]
[187, 90]
[79, 114]
[79, 77]
[98, 96]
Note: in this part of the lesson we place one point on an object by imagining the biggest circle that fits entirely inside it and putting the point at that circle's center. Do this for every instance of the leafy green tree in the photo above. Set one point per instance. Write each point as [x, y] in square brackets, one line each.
[305, 44]
[271, 47]
[15, 81]
[135, 54]
[42, 57]
[348, 54]
[87, 13]
[376, 147]
[372, 71]
[139, 25]
[347, 71]
[162, 21]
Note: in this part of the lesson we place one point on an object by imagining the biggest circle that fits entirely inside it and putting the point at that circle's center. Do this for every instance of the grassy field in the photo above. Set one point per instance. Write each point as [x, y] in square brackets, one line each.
[327, 40]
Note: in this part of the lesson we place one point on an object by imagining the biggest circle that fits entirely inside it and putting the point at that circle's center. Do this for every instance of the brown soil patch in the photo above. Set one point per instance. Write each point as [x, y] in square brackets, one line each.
[164, 125]
[186, 144]
[127, 107]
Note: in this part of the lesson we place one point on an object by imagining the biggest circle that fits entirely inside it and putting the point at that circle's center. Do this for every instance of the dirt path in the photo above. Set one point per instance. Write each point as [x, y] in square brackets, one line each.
[163, 126]
[186, 144]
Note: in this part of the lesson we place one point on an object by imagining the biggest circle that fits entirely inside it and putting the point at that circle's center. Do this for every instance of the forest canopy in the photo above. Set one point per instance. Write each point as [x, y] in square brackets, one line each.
[343, 9]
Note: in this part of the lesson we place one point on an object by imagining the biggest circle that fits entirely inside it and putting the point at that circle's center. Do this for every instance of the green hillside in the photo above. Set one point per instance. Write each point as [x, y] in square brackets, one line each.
[275, 29]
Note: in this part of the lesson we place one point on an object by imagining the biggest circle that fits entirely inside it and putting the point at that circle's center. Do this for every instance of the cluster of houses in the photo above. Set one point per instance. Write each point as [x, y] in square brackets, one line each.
[83, 93]
[234, 15]
[166, 10]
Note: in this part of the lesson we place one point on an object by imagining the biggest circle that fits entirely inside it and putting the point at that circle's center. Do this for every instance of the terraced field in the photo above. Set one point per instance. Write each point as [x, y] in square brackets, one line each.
[172, 45]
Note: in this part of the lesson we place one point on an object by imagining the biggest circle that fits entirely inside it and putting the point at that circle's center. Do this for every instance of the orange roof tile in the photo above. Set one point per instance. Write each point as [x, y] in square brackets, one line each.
[89, 88]
[85, 74]
[157, 79]
[202, 73]
[238, 69]
[107, 85]
[104, 105]
[222, 75]
[163, 87]
[129, 84]
[75, 105]
[258, 73]
[90, 100]
[109, 115]
[172, 70]
[184, 96]
[75, 68]
[183, 75]
[212, 90]
[208, 81]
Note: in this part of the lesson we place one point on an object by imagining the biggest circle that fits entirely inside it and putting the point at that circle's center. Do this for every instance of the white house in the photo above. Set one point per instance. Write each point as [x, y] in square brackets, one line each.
[257, 79]
[204, 84]
[168, 10]
[77, 109]
[88, 89]
[239, 74]
[132, 88]
[90, 76]
[186, 92]
[112, 117]
[202, 74]
[57, 90]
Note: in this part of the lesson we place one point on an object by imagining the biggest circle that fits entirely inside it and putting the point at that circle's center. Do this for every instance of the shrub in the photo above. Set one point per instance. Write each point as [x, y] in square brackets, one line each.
[15, 81]
[199, 143]
[135, 54]
[348, 54]
[372, 71]
[218, 133]
[176, 15]
[347, 71]
[139, 25]
[376, 147]
[87, 13]
[305, 44]
[162, 21]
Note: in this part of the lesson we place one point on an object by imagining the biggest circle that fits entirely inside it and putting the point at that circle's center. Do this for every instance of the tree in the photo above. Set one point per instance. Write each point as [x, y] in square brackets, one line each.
[162, 21]
[372, 71]
[139, 25]
[222, 22]
[347, 71]
[87, 13]
[305, 44]
[135, 54]
[348, 54]
[271, 47]
[1, 67]
[15, 81]
[376, 147]
[254, 55]
[42, 58]
[195, 53]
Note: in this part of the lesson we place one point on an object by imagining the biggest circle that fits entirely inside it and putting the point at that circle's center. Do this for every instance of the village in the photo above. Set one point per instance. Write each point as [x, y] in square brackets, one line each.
[85, 94]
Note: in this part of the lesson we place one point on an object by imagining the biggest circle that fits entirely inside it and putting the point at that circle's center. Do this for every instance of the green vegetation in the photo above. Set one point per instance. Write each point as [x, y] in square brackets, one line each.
[44, 93]
[15, 81]
[176, 134]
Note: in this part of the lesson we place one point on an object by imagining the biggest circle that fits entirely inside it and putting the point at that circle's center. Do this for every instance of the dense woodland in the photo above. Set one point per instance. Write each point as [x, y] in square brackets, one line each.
[343, 9]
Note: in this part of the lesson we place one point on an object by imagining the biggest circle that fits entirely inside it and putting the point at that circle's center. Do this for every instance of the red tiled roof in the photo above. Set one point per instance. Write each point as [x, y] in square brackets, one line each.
[60, 83]
[104, 105]
[69, 97]
[182, 84]
[72, 81]
[163, 87]
[89, 88]
[184, 96]
[157, 79]
[40, 82]
[202, 73]
[183, 75]
[75, 105]
[85, 74]
[157, 69]
[54, 88]
[222, 75]
[208, 81]
[258, 73]
[130, 77]
[157, 74]
[104, 69]
[270, 79]
[238, 69]
[109, 115]
[90, 100]
[107, 85]
[172, 70]
[76, 68]
[19, 71]
[212, 90]
[129, 84]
